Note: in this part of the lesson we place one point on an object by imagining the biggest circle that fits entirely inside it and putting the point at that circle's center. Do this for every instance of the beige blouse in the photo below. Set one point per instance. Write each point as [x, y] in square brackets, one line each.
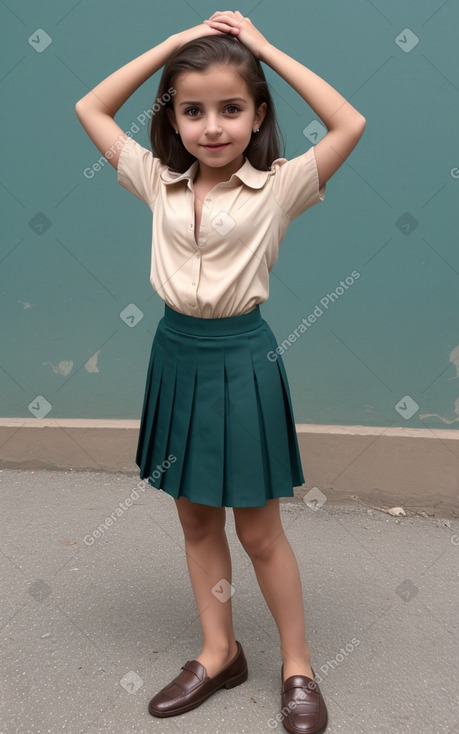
[243, 222]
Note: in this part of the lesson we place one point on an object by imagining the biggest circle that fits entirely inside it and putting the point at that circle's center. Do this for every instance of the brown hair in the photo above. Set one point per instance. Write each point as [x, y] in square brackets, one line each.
[199, 55]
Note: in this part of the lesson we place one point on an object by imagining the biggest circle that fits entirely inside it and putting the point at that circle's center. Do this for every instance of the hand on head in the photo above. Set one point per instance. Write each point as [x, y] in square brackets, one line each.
[236, 24]
[226, 23]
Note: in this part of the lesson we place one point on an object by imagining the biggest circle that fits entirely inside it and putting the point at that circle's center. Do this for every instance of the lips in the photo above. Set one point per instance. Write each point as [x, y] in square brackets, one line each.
[215, 145]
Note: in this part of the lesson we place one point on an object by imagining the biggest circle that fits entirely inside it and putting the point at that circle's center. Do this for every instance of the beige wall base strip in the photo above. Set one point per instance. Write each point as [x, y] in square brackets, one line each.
[417, 469]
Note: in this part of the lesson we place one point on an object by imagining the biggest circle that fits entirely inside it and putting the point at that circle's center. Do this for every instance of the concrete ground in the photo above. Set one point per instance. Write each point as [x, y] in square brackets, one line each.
[95, 622]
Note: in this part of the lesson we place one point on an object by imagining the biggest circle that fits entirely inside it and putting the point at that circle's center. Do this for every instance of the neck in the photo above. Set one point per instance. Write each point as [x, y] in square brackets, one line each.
[208, 175]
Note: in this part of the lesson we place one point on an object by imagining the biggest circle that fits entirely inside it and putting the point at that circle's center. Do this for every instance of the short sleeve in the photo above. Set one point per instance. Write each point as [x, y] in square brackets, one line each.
[139, 171]
[296, 184]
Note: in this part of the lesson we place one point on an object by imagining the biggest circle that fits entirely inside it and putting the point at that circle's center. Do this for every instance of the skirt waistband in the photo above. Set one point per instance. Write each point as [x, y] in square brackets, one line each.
[213, 327]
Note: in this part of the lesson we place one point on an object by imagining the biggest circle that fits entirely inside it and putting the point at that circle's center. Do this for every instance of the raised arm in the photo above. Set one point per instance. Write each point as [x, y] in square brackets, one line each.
[97, 109]
[345, 124]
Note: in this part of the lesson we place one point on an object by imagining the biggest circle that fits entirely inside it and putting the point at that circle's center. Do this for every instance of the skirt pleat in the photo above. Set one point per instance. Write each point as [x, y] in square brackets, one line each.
[278, 437]
[217, 422]
[150, 408]
[247, 473]
[180, 422]
[202, 474]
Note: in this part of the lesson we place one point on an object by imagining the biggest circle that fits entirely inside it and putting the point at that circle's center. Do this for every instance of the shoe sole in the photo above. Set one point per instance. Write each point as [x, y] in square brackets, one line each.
[298, 731]
[231, 683]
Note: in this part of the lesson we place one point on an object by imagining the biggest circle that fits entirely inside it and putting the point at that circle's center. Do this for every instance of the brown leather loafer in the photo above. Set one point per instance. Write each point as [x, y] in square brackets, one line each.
[192, 686]
[302, 704]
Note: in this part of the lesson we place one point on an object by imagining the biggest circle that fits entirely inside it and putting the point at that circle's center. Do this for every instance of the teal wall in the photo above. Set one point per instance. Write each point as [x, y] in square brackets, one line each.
[75, 252]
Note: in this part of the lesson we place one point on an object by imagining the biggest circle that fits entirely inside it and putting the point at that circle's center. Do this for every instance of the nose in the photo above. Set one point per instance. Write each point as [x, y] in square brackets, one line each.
[212, 126]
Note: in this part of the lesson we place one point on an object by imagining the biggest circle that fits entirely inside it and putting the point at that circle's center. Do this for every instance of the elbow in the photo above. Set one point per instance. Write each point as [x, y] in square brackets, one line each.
[82, 103]
[81, 110]
[78, 108]
[361, 124]
[354, 127]
[358, 127]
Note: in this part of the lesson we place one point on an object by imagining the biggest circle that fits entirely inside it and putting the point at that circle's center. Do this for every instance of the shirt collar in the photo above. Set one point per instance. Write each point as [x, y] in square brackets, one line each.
[249, 175]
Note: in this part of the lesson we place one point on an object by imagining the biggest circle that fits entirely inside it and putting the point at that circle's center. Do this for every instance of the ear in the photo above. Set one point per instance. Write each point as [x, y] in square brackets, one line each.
[260, 114]
[171, 116]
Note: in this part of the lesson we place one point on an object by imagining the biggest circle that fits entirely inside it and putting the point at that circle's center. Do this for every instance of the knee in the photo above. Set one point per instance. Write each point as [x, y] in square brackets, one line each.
[256, 542]
[195, 530]
[198, 524]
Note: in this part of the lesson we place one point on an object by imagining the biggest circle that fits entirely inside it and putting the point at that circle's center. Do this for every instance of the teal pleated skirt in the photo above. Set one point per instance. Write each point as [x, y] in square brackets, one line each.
[217, 422]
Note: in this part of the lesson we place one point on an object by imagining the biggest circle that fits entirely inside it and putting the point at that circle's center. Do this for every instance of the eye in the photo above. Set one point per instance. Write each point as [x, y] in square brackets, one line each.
[233, 107]
[191, 109]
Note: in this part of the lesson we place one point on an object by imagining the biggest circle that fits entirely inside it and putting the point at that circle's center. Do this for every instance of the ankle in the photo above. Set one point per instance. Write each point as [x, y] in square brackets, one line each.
[220, 649]
[295, 660]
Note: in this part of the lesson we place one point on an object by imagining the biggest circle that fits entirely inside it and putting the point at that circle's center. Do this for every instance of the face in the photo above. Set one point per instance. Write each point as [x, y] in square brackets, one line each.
[215, 116]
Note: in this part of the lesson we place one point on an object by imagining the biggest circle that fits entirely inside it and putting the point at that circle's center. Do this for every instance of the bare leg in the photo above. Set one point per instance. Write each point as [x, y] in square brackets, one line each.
[262, 535]
[209, 561]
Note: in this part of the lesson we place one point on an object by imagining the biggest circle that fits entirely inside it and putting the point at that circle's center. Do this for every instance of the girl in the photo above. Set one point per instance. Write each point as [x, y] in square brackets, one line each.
[217, 427]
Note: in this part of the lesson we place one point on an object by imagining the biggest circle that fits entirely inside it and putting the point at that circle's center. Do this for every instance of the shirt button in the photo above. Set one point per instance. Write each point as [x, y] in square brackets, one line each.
[193, 283]
[198, 254]
[208, 199]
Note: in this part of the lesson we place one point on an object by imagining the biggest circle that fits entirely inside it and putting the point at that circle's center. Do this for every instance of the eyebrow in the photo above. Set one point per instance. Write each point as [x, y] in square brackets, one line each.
[231, 99]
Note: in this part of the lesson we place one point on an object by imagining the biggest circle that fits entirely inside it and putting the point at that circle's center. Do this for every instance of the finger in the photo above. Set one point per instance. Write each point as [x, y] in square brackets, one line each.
[231, 22]
[222, 16]
[224, 27]
[223, 13]
[214, 31]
